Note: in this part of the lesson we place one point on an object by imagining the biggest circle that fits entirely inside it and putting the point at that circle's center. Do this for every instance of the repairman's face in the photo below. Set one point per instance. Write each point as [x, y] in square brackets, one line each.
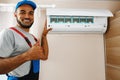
[25, 16]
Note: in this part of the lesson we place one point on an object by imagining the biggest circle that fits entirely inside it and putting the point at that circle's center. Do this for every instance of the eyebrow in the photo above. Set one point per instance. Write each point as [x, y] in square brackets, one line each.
[22, 10]
[25, 11]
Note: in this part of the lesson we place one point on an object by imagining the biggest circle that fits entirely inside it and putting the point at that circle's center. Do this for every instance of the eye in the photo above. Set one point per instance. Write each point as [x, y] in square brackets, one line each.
[22, 12]
[31, 12]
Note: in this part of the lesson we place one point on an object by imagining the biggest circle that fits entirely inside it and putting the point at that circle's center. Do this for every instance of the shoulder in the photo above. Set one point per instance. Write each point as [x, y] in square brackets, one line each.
[6, 33]
[6, 42]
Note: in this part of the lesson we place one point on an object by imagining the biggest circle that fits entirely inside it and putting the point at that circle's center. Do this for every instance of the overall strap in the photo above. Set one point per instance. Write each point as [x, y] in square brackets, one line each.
[26, 39]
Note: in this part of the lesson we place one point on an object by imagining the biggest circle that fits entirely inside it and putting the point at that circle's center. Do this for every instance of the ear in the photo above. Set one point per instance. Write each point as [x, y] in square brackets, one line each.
[15, 14]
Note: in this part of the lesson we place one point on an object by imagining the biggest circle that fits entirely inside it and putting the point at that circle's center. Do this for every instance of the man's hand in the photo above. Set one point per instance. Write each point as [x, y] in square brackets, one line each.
[45, 31]
[35, 52]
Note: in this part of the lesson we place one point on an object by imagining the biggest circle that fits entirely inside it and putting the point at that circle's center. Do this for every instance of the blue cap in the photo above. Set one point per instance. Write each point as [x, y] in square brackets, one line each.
[28, 2]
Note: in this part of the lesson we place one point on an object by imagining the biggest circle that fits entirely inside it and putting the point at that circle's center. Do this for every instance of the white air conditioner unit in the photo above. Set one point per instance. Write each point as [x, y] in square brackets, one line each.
[78, 20]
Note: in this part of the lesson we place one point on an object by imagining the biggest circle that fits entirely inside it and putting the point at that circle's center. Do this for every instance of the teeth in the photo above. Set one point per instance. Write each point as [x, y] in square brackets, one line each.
[27, 20]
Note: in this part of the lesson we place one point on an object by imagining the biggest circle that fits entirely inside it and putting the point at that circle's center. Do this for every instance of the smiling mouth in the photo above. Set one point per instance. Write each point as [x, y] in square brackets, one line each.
[26, 20]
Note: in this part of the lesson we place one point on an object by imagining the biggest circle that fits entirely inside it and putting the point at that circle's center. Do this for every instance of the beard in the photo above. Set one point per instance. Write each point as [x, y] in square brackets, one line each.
[22, 24]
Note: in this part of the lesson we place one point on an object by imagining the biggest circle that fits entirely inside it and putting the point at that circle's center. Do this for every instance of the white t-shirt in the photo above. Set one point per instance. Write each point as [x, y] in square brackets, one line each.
[12, 44]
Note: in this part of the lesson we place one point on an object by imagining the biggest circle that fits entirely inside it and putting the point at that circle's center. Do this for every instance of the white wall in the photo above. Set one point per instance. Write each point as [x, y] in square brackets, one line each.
[7, 20]
[74, 57]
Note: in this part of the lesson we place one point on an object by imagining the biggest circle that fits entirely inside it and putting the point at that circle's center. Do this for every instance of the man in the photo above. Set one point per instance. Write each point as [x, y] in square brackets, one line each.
[16, 55]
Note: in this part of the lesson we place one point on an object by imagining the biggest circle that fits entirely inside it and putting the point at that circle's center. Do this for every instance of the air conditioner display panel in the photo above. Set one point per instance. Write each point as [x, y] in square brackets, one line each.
[71, 19]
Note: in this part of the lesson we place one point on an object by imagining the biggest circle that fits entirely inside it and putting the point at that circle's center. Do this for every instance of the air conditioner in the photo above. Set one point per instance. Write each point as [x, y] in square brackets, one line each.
[78, 20]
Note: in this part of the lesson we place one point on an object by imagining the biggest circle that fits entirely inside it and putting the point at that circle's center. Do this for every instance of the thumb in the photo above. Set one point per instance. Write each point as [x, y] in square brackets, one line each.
[37, 43]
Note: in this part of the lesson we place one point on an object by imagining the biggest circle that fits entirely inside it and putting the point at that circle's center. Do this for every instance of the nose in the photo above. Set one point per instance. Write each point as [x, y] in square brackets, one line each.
[27, 16]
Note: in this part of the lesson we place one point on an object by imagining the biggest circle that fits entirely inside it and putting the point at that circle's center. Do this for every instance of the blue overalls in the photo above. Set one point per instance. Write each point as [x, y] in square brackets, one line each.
[33, 74]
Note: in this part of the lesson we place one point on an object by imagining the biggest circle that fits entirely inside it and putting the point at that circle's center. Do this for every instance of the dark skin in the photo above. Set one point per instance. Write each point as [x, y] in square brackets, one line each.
[25, 14]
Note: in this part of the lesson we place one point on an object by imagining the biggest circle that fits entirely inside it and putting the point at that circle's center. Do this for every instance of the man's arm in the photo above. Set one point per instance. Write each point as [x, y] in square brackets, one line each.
[45, 48]
[35, 53]
[44, 42]
[8, 64]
